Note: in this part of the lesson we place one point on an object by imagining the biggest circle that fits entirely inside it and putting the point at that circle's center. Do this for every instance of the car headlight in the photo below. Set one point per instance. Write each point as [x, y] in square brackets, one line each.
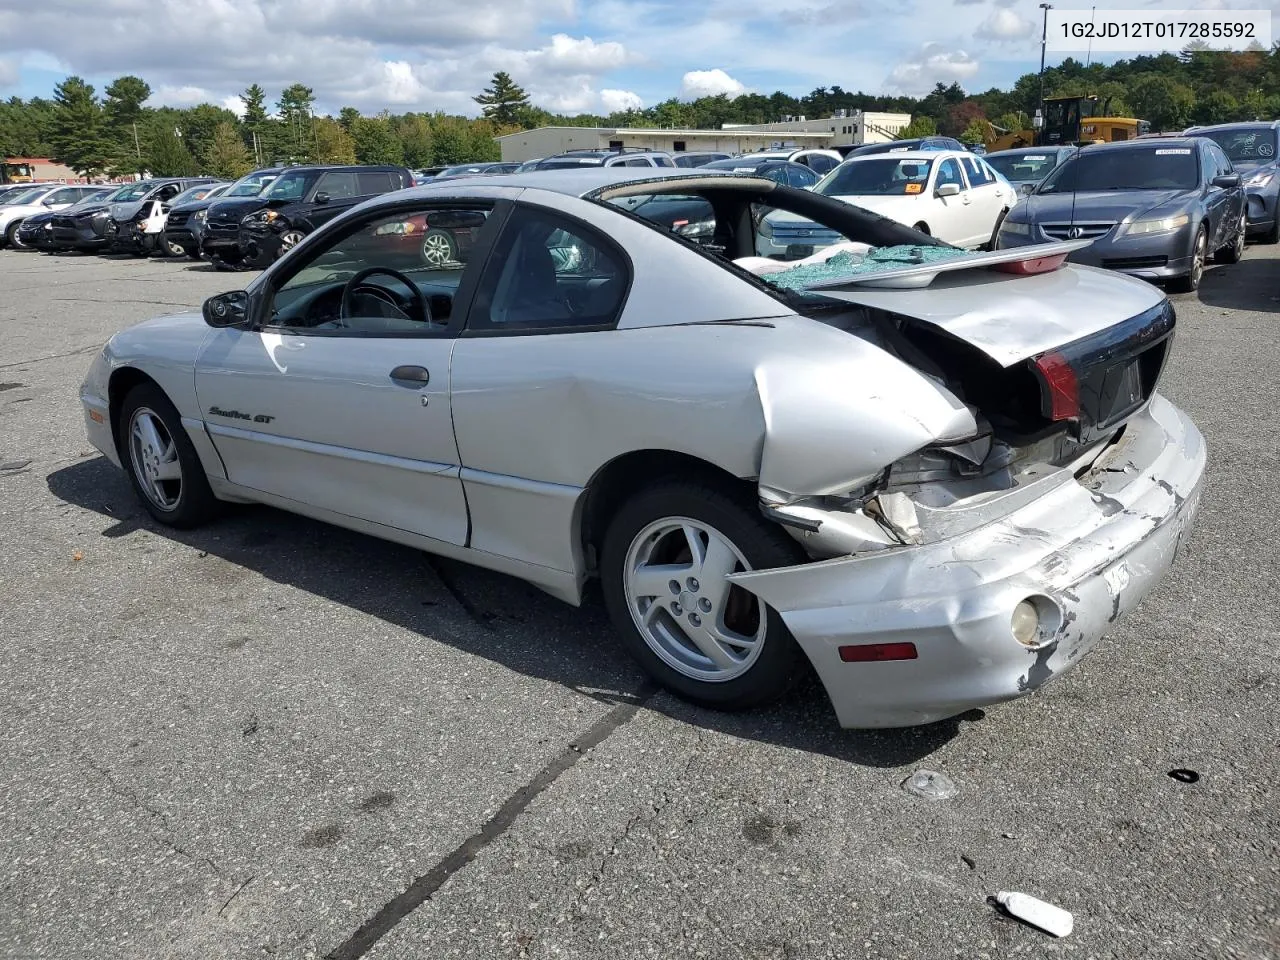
[765, 229]
[1260, 179]
[699, 228]
[201, 216]
[398, 229]
[100, 215]
[1015, 228]
[1162, 225]
[261, 218]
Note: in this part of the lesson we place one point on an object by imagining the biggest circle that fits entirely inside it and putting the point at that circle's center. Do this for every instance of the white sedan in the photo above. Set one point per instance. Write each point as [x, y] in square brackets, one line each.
[17, 205]
[949, 194]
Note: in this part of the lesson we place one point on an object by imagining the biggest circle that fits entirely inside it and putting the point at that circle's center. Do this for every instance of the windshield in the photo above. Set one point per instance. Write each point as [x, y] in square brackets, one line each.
[133, 192]
[877, 177]
[1022, 167]
[250, 186]
[290, 186]
[1148, 168]
[193, 193]
[1256, 145]
[20, 196]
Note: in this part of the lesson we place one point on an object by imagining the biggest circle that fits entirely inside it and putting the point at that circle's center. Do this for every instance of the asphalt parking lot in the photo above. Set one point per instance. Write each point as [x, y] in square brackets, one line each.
[274, 738]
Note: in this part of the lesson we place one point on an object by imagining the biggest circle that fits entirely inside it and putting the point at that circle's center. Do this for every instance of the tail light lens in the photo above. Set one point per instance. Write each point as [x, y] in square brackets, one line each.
[1062, 389]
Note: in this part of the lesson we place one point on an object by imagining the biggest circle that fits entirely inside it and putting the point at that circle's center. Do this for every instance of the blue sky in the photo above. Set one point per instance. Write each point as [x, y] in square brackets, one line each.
[571, 55]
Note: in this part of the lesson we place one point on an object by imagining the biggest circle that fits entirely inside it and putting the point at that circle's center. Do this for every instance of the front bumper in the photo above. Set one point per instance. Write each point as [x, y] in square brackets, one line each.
[1089, 549]
[1158, 257]
[81, 234]
[259, 245]
[1260, 207]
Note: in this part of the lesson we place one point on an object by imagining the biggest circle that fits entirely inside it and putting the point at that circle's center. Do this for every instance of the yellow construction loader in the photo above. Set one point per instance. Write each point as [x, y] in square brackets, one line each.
[1070, 121]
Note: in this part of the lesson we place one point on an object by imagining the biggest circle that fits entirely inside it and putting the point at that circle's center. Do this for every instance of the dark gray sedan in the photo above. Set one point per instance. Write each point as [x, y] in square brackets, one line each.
[1251, 148]
[1156, 209]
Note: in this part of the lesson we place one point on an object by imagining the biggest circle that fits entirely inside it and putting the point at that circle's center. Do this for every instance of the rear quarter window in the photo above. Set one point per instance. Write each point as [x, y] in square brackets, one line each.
[372, 182]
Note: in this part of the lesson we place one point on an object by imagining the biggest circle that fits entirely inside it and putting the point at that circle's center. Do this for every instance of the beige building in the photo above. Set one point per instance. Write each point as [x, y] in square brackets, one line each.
[798, 132]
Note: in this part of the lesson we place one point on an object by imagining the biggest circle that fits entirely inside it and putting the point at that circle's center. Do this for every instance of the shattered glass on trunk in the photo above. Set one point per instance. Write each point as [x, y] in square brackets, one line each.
[876, 260]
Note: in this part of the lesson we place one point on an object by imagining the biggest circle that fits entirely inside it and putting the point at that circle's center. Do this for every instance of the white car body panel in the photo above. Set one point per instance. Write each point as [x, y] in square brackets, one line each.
[493, 459]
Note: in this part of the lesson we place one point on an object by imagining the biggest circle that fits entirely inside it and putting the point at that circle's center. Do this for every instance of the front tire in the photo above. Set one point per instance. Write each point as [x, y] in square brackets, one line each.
[438, 248]
[11, 236]
[1199, 253]
[995, 233]
[161, 462]
[1234, 251]
[170, 248]
[288, 240]
[922, 227]
[665, 558]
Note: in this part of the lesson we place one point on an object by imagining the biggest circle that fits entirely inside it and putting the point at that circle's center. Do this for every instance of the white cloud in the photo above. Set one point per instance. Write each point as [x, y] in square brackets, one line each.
[709, 83]
[179, 96]
[234, 104]
[616, 101]
[1003, 26]
[8, 73]
[400, 86]
[932, 64]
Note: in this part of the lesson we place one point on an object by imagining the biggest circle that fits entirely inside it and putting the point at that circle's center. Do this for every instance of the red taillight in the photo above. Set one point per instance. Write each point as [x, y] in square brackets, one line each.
[1032, 265]
[876, 652]
[1064, 389]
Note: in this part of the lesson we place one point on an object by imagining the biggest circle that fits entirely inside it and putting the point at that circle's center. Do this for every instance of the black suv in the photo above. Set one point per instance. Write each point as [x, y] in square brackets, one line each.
[257, 230]
[186, 224]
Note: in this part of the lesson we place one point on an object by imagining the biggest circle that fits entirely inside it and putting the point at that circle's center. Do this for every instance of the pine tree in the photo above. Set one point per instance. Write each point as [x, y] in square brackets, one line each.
[227, 156]
[503, 100]
[166, 154]
[123, 111]
[254, 121]
[76, 133]
[295, 113]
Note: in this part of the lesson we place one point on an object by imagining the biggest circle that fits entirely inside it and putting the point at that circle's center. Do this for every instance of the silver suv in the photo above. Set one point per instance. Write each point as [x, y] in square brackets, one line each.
[577, 159]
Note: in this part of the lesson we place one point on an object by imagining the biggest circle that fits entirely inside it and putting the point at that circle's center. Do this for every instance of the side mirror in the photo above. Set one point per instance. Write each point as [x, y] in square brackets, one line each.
[947, 190]
[1227, 181]
[323, 198]
[227, 309]
[1027, 189]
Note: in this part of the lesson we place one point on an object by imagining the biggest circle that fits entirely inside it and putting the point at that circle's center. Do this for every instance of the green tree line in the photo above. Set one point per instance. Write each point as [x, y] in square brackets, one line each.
[114, 132]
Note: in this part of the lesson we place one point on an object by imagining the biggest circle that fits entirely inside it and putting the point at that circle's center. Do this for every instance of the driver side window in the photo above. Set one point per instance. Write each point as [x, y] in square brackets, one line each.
[396, 275]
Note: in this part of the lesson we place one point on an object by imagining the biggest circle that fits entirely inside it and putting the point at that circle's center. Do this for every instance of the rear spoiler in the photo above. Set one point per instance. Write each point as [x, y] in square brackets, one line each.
[1038, 258]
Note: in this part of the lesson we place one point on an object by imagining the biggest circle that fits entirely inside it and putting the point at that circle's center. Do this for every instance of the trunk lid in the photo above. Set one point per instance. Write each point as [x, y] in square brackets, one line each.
[1075, 348]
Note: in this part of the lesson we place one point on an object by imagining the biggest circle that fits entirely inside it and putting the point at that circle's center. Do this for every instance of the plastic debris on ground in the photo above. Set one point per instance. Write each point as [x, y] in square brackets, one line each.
[845, 260]
[930, 784]
[1036, 912]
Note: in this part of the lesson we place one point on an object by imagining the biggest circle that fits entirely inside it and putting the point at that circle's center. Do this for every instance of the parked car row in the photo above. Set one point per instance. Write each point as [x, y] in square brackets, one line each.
[251, 221]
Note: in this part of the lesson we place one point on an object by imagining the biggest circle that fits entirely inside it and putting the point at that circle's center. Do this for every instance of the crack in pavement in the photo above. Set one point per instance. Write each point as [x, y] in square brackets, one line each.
[157, 816]
[53, 356]
[424, 887]
[150, 303]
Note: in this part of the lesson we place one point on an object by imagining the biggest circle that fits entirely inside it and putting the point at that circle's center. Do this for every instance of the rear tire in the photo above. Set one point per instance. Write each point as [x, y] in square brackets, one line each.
[1234, 251]
[707, 641]
[163, 466]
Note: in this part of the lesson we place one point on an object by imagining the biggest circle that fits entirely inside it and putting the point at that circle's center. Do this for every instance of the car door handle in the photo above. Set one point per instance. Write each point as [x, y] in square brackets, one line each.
[411, 375]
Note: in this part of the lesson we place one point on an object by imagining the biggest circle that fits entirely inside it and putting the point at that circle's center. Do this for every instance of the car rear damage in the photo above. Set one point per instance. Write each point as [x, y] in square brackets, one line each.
[989, 560]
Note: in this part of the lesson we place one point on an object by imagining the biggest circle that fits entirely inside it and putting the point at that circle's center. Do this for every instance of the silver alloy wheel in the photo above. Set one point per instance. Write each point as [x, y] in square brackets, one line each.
[173, 249]
[1198, 258]
[154, 457]
[289, 239]
[437, 249]
[688, 613]
[16, 241]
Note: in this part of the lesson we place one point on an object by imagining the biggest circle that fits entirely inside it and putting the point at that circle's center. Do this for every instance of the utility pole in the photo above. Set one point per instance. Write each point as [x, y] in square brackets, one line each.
[1044, 40]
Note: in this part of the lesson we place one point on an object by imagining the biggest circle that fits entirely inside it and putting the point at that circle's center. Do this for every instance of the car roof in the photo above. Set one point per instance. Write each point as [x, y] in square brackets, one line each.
[909, 155]
[1162, 143]
[571, 182]
[1237, 125]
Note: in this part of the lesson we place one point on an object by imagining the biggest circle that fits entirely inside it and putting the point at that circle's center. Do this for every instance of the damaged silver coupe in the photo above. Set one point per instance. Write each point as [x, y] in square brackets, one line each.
[938, 477]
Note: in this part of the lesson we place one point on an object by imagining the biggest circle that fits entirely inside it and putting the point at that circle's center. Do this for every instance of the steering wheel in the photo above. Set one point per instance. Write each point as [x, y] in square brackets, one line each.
[357, 283]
